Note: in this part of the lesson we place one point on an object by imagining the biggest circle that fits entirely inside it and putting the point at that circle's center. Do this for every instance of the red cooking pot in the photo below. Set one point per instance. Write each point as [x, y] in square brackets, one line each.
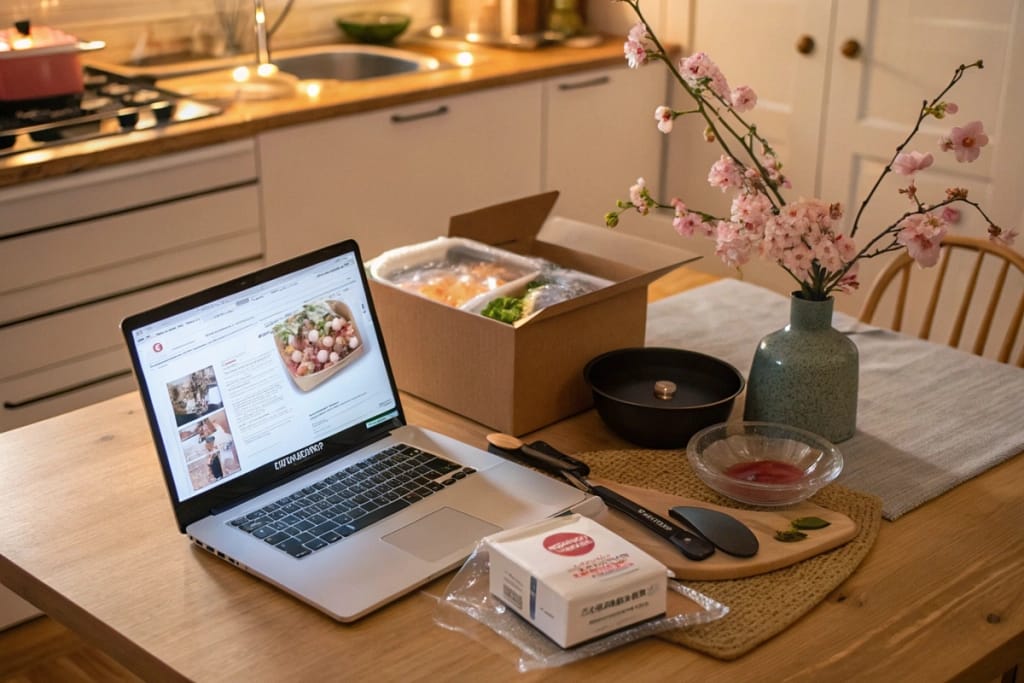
[40, 62]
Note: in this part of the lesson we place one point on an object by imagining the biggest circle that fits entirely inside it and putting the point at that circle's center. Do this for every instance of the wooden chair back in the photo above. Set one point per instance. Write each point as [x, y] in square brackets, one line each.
[999, 261]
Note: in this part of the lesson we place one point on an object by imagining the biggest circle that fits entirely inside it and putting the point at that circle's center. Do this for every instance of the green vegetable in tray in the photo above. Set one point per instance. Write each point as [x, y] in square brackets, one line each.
[507, 309]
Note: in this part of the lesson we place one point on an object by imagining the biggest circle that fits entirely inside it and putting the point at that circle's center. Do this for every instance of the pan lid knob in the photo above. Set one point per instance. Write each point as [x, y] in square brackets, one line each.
[664, 389]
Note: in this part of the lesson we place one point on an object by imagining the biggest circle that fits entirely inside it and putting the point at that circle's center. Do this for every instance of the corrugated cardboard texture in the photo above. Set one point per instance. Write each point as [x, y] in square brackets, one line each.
[519, 379]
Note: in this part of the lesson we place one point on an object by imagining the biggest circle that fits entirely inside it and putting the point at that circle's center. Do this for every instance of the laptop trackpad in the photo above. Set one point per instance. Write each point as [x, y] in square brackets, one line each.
[440, 534]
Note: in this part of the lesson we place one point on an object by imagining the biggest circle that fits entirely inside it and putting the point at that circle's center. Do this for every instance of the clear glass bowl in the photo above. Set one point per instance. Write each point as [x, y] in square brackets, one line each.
[763, 463]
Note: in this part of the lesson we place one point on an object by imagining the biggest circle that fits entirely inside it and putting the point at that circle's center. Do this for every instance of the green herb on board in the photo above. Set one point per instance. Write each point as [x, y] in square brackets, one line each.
[790, 536]
[810, 523]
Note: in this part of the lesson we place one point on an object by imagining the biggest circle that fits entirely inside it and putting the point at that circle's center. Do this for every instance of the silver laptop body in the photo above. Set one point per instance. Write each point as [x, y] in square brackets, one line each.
[261, 390]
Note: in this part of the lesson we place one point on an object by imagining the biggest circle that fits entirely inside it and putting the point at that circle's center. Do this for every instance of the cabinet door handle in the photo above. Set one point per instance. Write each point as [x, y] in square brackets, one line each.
[406, 118]
[850, 49]
[805, 44]
[591, 83]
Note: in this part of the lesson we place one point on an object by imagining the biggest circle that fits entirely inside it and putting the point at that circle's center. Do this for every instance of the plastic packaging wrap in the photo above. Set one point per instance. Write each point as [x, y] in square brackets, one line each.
[468, 607]
[453, 270]
[477, 277]
[552, 285]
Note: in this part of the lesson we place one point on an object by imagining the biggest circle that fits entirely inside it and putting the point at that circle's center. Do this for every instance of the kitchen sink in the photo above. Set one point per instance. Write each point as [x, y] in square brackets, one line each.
[354, 64]
[343, 62]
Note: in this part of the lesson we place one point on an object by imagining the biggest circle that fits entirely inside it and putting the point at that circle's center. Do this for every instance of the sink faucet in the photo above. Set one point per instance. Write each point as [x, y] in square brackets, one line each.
[262, 36]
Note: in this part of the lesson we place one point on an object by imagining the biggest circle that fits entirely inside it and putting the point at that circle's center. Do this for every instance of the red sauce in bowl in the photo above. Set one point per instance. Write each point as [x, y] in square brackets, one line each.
[765, 472]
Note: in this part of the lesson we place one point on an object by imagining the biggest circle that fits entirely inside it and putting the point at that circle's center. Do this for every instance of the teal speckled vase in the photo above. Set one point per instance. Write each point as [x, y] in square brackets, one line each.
[805, 374]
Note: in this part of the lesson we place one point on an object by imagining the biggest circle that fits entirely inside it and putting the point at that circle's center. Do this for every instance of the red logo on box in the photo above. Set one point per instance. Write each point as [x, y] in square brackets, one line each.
[569, 544]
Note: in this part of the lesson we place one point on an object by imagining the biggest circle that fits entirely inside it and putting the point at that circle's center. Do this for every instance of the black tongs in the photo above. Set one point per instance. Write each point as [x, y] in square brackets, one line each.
[543, 456]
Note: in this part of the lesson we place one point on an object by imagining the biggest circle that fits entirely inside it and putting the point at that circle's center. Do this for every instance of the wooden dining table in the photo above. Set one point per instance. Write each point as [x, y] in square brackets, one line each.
[88, 535]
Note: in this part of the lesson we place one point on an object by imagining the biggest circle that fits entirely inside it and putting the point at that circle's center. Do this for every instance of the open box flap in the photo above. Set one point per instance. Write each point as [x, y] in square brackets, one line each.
[512, 225]
[610, 244]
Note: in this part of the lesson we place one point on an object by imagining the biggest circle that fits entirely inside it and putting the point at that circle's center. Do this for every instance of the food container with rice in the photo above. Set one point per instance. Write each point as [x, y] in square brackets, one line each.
[317, 341]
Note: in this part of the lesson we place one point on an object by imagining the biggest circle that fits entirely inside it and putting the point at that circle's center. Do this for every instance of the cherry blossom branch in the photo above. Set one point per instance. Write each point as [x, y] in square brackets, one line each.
[926, 110]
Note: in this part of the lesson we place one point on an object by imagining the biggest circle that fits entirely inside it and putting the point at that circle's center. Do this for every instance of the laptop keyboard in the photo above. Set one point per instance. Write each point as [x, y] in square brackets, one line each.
[352, 499]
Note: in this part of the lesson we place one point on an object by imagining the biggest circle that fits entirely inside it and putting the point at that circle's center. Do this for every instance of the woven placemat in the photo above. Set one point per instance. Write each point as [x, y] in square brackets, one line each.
[760, 606]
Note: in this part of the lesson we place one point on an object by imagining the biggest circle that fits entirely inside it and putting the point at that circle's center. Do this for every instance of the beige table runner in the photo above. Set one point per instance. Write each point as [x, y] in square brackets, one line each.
[929, 417]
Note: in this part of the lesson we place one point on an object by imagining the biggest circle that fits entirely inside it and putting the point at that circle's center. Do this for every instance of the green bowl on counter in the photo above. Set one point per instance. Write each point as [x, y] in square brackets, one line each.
[374, 27]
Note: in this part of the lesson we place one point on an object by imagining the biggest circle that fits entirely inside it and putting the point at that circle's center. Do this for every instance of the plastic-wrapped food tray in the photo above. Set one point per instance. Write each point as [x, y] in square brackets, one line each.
[454, 270]
[551, 286]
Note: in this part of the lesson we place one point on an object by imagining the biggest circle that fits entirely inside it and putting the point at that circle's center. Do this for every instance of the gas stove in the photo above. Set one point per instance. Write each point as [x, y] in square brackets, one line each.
[111, 104]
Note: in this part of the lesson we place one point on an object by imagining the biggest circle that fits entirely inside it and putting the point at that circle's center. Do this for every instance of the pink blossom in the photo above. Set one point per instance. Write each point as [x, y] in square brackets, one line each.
[637, 195]
[725, 173]
[966, 142]
[664, 116]
[743, 98]
[733, 244]
[698, 68]
[950, 214]
[1004, 236]
[909, 163]
[922, 235]
[827, 254]
[799, 260]
[751, 209]
[846, 246]
[636, 46]
[684, 222]
[950, 107]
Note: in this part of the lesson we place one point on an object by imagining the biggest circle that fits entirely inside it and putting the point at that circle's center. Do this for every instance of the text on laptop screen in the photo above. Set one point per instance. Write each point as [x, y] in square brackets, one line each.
[261, 378]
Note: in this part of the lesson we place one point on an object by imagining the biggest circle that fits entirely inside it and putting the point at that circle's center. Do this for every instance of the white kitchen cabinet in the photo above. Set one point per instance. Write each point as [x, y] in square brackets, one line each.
[81, 252]
[393, 177]
[835, 119]
[600, 136]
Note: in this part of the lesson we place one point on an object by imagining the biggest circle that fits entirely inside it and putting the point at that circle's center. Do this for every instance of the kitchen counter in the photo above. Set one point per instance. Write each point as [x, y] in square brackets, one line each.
[491, 67]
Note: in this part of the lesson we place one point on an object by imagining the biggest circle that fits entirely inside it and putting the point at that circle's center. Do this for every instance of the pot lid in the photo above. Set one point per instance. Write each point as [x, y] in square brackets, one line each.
[25, 40]
[663, 378]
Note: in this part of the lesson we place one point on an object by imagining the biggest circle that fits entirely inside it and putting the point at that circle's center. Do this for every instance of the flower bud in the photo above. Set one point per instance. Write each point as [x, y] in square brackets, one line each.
[611, 219]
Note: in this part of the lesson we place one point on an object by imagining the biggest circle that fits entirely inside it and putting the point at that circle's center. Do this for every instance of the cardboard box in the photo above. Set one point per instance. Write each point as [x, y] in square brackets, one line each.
[574, 579]
[516, 379]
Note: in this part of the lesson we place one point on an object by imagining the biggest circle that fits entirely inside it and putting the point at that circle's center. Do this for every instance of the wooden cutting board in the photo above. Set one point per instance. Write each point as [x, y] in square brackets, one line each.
[771, 555]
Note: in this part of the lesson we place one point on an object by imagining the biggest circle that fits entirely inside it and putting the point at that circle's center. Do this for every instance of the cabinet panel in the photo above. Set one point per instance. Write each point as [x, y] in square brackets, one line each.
[53, 269]
[393, 177]
[70, 359]
[909, 52]
[130, 185]
[759, 51]
[600, 135]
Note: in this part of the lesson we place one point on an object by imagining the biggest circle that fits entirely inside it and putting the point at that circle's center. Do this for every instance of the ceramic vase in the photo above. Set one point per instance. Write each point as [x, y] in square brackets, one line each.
[805, 374]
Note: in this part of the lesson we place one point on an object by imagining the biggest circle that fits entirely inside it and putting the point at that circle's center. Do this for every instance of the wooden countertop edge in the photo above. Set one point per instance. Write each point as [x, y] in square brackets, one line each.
[240, 120]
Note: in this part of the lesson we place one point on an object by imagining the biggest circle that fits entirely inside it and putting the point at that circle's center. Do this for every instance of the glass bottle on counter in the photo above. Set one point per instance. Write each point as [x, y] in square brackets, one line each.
[565, 18]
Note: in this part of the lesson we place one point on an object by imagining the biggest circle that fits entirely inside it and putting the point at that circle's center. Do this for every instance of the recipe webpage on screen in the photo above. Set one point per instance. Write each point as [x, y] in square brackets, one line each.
[248, 379]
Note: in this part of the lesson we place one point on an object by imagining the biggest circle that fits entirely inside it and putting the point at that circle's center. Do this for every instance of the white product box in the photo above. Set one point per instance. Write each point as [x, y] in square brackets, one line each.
[574, 579]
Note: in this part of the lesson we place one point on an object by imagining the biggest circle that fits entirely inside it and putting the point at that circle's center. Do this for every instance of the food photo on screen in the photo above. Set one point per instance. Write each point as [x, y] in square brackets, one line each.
[317, 341]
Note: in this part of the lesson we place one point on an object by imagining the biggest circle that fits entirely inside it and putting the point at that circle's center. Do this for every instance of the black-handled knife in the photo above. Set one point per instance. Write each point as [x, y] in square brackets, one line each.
[689, 544]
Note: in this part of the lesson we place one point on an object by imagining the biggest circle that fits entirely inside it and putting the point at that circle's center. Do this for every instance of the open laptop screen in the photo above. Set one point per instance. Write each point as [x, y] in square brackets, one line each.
[254, 379]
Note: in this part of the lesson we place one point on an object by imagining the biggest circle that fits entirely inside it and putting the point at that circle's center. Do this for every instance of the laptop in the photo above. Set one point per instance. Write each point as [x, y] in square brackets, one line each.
[285, 450]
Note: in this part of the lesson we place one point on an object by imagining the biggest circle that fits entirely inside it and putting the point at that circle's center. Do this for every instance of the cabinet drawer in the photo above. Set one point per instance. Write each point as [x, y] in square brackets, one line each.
[58, 201]
[70, 359]
[52, 270]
